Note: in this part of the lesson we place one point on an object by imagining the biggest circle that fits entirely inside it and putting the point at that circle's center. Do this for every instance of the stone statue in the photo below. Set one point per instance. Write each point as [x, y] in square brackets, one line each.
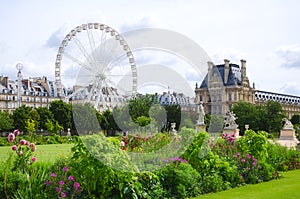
[229, 122]
[201, 113]
[287, 124]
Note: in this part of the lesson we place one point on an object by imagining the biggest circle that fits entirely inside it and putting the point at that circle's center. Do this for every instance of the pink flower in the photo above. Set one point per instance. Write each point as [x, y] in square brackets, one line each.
[66, 169]
[77, 186]
[11, 137]
[71, 178]
[23, 142]
[47, 182]
[32, 146]
[16, 132]
[53, 175]
[33, 159]
[63, 194]
[243, 160]
[14, 147]
[224, 135]
[238, 154]
[58, 189]
[248, 156]
[122, 144]
[61, 183]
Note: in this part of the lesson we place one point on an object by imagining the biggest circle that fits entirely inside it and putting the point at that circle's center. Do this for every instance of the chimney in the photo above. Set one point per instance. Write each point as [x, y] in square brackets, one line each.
[210, 65]
[226, 70]
[243, 68]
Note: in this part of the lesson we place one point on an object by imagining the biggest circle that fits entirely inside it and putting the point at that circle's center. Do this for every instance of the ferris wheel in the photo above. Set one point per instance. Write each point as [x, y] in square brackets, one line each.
[95, 64]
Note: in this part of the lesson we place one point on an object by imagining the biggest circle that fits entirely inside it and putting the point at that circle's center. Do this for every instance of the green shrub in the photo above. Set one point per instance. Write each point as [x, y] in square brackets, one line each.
[180, 180]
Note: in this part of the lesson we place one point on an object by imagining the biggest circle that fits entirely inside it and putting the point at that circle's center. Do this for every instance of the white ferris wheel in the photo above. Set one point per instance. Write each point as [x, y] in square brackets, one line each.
[94, 64]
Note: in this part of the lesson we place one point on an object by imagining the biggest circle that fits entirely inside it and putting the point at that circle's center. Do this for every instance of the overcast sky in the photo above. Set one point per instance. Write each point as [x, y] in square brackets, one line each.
[265, 33]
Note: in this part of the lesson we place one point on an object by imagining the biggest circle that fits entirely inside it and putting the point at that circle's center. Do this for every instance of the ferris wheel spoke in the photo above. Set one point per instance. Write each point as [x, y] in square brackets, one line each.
[92, 42]
[74, 59]
[82, 50]
[114, 85]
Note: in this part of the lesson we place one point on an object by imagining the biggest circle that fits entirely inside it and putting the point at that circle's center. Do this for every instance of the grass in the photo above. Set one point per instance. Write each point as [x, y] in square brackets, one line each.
[44, 153]
[286, 187]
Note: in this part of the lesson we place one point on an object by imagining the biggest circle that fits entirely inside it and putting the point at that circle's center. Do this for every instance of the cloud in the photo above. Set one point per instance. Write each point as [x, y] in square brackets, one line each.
[290, 55]
[234, 55]
[138, 23]
[56, 38]
[292, 88]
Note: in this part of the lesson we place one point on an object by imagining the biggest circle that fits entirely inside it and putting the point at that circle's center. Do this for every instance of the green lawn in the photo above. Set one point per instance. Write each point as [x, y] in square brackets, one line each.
[287, 187]
[44, 153]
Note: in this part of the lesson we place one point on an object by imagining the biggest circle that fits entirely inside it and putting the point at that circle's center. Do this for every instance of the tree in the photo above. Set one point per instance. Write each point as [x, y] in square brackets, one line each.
[173, 115]
[62, 113]
[45, 114]
[246, 113]
[30, 126]
[267, 117]
[6, 121]
[53, 128]
[21, 115]
[295, 119]
[108, 123]
[85, 119]
[275, 114]
[141, 105]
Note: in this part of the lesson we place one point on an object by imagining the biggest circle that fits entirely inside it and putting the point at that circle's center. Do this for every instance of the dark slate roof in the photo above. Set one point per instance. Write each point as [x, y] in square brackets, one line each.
[233, 77]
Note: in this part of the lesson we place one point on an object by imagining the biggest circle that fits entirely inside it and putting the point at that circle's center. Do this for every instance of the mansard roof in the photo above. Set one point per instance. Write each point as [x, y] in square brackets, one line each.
[234, 75]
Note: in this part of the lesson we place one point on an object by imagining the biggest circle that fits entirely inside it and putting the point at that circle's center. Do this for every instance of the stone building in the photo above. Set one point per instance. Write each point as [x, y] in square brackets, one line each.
[228, 83]
[173, 98]
[35, 92]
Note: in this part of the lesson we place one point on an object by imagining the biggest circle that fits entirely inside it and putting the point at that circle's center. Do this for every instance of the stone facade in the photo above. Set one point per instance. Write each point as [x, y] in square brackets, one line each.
[35, 92]
[228, 83]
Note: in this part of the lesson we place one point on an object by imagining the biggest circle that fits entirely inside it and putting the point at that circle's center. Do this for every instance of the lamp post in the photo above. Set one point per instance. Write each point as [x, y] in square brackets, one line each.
[19, 67]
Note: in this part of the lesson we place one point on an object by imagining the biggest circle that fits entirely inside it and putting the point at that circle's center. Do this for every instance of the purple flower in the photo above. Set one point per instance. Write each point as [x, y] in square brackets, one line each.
[66, 169]
[11, 137]
[77, 186]
[166, 160]
[243, 160]
[248, 156]
[254, 163]
[238, 154]
[33, 159]
[61, 183]
[16, 132]
[53, 175]
[71, 178]
[23, 142]
[63, 194]
[58, 189]
[47, 182]
[14, 147]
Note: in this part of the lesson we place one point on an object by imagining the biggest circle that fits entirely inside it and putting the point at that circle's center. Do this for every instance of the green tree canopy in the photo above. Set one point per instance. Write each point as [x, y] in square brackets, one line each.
[62, 112]
[6, 121]
[22, 114]
[295, 119]
[45, 114]
[267, 117]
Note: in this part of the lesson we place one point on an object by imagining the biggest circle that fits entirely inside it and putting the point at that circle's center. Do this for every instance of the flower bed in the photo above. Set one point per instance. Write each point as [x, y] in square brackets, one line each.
[160, 166]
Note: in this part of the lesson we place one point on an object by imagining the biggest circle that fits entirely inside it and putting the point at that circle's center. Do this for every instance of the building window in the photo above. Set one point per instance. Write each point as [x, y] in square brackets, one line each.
[229, 96]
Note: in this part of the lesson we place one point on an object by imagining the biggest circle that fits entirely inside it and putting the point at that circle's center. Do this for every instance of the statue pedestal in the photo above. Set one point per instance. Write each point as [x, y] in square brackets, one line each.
[200, 127]
[288, 138]
[229, 131]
